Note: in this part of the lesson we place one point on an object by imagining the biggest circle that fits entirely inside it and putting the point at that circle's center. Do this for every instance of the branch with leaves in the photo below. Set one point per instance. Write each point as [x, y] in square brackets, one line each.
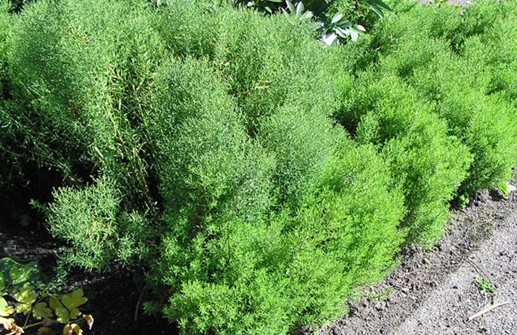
[24, 306]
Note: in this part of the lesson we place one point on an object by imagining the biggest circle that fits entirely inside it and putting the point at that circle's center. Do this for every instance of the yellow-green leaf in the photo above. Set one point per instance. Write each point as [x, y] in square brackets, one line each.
[54, 303]
[5, 309]
[61, 312]
[41, 311]
[26, 297]
[77, 329]
[89, 320]
[74, 300]
[73, 328]
[44, 330]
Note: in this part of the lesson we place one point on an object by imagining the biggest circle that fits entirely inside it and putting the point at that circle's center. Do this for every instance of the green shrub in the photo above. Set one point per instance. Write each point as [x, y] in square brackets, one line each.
[427, 163]
[450, 55]
[350, 221]
[204, 150]
[5, 24]
[266, 277]
[482, 119]
[205, 158]
[80, 69]
[302, 143]
[92, 221]
[493, 49]
[271, 62]
[487, 126]
[5, 122]
[451, 24]
[267, 62]
[190, 28]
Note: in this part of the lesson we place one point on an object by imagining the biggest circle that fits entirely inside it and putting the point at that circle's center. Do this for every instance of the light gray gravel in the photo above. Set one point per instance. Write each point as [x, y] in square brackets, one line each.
[450, 305]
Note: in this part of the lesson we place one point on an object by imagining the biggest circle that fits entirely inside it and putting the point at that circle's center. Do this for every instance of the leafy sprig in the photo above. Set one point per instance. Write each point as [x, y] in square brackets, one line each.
[21, 299]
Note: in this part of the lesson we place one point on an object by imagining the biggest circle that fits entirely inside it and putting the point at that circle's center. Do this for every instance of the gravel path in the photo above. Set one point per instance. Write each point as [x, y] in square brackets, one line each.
[450, 305]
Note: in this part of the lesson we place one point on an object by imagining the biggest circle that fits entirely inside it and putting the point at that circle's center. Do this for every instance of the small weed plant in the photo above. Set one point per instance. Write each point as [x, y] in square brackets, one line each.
[485, 285]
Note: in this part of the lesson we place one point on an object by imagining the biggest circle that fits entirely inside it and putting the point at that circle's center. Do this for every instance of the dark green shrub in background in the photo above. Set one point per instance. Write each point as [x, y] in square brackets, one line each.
[80, 71]
[79, 75]
[4, 120]
[338, 20]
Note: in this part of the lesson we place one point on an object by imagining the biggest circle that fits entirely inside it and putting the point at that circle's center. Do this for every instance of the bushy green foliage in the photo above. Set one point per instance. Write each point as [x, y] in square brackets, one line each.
[190, 28]
[302, 143]
[265, 277]
[267, 62]
[485, 123]
[351, 219]
[451, 59]
[80, 69]
[194, 114]
[4, 119]
[426, 162]
[92, 221]
[4, 30]
[206, 151]
[493, 50]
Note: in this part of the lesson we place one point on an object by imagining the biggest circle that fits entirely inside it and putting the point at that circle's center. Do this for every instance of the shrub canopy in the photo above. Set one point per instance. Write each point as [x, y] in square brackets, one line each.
[259, 177]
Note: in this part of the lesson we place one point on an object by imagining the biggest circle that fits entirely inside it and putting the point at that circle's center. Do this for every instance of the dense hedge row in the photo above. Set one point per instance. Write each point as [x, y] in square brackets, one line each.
[454, 65]
[258, 176]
